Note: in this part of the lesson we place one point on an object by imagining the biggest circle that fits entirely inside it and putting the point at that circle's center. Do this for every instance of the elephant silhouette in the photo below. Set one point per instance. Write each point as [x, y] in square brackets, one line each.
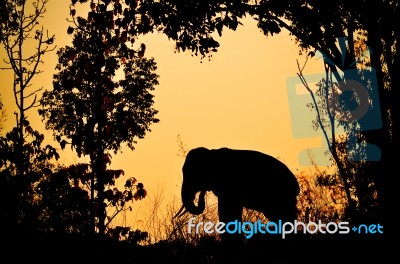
[239, 178]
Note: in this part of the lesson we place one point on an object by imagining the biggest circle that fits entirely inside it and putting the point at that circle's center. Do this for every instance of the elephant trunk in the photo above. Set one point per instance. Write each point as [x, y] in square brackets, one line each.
[188, 197]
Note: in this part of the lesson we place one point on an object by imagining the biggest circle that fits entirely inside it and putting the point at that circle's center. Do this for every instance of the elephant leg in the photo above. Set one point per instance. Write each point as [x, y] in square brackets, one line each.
[284, 209]
[288, 211]
[230, 211]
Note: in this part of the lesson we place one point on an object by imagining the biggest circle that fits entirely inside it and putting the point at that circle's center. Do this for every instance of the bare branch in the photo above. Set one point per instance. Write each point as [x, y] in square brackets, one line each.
[319, 118]
[32, 104]
[16, 81]
[38, 13]
[33, 93]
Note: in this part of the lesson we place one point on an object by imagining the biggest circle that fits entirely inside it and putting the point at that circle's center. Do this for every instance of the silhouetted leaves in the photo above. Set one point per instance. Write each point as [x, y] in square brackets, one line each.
[127, 235]
[19, 192]
[64, 204]
[70, 30]
[34, 153]
[7, 14]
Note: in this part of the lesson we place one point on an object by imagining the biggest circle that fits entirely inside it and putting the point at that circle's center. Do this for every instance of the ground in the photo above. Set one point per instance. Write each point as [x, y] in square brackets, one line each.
[297, 250]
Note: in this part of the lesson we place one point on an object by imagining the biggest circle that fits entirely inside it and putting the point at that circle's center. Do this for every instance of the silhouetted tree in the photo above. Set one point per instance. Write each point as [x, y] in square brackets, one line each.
[359, 189]
[25, 43]
[101, 96]
[63, 204]
[23, 154]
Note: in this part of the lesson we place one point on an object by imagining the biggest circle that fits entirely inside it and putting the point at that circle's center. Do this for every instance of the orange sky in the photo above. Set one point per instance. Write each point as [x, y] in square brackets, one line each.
[238, 100]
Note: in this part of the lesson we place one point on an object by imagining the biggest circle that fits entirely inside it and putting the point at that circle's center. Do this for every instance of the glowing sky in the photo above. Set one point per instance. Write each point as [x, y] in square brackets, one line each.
[237, 100]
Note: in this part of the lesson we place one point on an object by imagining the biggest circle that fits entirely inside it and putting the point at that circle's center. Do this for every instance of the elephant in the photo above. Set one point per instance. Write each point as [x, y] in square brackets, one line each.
[240, 179]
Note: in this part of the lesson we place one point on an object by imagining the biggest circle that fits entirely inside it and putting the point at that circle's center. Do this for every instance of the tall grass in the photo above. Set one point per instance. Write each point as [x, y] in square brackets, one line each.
[161, 225]
[315, 202]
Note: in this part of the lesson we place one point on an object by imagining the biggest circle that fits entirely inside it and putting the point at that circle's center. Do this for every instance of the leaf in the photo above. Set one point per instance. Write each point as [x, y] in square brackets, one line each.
[219, 27]
[70, 30]
[81, 21]
[124, 36]
[128, 183]
[50, 41]
[62, 144]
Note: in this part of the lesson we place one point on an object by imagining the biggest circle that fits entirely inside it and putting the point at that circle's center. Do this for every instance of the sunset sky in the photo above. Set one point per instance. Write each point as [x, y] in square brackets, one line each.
[238, 100]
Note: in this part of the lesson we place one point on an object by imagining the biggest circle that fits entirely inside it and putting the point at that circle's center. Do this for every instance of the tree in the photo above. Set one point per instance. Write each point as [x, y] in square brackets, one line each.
[91, 107]
[63, 202]
[63, 205]
[23, 155]
[20, 31]
[343, 149]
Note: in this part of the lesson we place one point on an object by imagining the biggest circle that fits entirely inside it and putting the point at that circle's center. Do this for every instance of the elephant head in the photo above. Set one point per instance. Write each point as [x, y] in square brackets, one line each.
[195, 180]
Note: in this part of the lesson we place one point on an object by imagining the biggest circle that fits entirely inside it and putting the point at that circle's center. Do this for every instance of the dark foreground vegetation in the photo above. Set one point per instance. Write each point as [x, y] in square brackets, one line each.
[51, 249]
